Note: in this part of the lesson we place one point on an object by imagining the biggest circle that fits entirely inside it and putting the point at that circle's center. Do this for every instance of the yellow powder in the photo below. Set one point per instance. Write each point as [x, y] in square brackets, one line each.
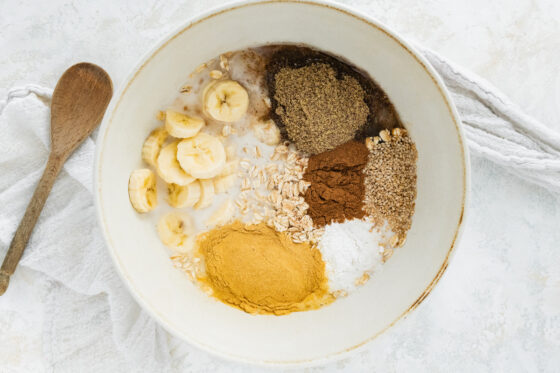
[259, 270]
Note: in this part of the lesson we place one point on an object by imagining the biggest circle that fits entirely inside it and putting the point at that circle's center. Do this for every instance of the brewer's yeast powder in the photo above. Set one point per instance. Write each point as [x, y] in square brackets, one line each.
[260, 270]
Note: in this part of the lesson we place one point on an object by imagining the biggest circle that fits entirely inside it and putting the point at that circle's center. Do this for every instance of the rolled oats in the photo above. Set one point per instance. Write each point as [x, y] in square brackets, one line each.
[282, 205]
[385, 136]
[200, 68]
[226, 130]
[216, 74]
[362, 280]
[387, 253]
[245, 164]
[224, 63]
[267, 102]
[245, 184]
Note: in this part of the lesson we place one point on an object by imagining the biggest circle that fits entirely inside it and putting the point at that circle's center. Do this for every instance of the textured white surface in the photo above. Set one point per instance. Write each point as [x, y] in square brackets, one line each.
[498, 306]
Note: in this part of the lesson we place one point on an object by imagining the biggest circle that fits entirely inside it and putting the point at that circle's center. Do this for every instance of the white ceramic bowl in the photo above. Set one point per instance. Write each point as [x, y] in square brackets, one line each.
[304, 337]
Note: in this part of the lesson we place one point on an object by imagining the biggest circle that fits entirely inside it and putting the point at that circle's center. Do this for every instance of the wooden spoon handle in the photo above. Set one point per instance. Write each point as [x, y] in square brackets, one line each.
[54, 165]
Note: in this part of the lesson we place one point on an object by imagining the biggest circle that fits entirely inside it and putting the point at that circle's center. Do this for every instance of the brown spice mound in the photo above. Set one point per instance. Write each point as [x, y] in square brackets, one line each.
[337, 185]
[391, 180]
[319, 110]
[382, 113]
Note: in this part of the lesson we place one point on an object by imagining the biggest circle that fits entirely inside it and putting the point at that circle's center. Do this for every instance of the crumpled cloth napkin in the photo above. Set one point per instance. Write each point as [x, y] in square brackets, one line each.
[91, 322]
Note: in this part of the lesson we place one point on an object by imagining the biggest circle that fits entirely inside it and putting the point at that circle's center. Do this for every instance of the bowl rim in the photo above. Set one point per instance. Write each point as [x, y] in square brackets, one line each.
[231, 6]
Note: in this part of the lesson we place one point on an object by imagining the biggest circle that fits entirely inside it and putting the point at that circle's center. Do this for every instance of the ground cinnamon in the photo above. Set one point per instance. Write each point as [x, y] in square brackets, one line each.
[337, 186]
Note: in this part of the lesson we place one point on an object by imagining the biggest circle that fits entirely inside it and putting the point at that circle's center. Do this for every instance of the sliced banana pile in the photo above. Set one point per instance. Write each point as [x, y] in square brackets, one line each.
[194, 164]
[168, 166]
[176, 230]
[180, 196]
[225, 100]
[152, 145]
[222, 215]
[142, 190]
[202, 156]
[182, 126]
[266, 132]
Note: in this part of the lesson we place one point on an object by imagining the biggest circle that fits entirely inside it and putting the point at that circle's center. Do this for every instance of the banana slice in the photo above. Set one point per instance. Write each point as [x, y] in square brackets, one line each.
[223, 183]
[206, 194]
[222, 215]
[180, 196]
[142, 190]
[169, 168]
[202, 156]
[225, 100]
[181, 125]
[152, 145]
[176, 231]
[267, 132]
[229, 167]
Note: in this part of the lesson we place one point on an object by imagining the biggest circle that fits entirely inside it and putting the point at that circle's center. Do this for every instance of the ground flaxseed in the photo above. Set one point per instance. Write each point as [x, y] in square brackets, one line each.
[391, 180]
[319, 110]
[382, 114]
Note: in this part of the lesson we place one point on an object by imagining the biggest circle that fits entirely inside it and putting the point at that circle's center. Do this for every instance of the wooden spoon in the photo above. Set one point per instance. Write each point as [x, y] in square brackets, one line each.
[79, 102]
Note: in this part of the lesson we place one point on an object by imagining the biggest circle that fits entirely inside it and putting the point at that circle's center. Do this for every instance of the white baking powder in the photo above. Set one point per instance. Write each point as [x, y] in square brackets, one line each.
[349, 251]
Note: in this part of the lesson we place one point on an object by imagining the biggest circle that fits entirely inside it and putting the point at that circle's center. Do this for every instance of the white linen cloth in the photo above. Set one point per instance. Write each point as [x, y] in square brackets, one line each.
[91, 322]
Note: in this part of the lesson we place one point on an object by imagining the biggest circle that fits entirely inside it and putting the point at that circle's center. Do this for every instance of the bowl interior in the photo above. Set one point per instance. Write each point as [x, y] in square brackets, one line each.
[299, 337]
